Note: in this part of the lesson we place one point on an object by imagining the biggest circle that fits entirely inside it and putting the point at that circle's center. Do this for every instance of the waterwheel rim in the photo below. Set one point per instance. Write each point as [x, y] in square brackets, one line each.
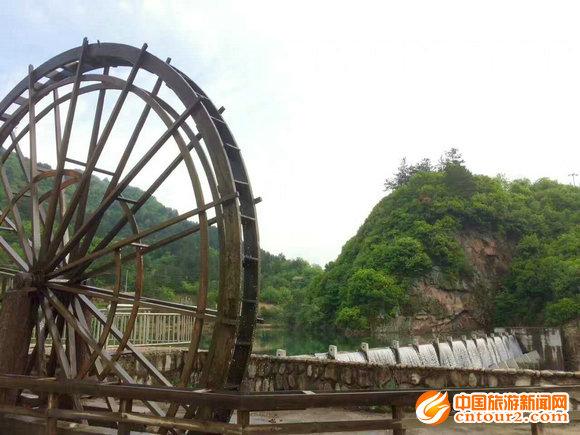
[57, 254]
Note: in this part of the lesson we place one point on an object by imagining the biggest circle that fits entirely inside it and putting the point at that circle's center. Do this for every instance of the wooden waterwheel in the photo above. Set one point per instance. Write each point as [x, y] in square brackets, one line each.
[119, 114]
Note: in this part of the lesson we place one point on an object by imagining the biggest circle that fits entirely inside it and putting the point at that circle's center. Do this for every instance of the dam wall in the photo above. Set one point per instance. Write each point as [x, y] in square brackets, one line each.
[547, 342]
[280, 373]
[494, 351]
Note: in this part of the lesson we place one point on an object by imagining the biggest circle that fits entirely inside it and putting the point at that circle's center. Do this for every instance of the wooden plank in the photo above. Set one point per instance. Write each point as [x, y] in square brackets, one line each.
[126, 417]
[248, 401]
[324, 427]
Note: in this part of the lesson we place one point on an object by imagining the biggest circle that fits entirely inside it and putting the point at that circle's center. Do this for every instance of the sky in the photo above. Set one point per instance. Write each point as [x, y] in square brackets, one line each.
[326, 97]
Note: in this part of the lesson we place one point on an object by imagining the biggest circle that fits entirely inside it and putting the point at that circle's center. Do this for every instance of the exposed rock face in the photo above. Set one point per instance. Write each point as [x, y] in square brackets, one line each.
[461, 302]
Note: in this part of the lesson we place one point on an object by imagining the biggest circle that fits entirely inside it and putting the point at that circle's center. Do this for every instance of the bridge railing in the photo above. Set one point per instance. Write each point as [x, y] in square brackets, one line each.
[152, 329]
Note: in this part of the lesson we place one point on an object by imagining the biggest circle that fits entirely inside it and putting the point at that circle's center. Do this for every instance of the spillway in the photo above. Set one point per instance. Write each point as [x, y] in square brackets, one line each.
[409, 356]
[428, 355]
[384, 355]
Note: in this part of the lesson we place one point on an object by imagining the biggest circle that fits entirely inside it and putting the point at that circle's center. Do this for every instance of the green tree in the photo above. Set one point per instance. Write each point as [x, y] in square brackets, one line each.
[405, 256]
[562, 311]
[417, 233]
[352, 318]
[374, 294]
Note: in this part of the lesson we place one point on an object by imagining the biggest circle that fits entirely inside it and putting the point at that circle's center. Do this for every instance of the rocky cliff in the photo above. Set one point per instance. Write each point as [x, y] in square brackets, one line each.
[447, 250]
[463, 304]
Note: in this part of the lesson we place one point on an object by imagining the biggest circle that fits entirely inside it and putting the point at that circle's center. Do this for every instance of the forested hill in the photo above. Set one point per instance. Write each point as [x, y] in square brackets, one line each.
[172, 271]
[449, 249]
[445, 249]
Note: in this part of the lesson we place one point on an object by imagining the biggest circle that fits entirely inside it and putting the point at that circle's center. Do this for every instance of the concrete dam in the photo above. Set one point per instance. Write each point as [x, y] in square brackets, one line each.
[500, 359]
[485, 352]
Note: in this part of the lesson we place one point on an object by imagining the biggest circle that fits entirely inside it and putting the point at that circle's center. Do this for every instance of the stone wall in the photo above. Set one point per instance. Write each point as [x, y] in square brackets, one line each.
[269, 373]
[266, 373]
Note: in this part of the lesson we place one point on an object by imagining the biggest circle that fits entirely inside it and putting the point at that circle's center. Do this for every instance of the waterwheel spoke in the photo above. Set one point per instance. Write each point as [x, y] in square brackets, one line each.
[104, 336]
[132, 316]
[107, 82]
[55, 335]
[65, 364]
[71, 347]
[40, 345]
[132, 239]
[163, 110]
[50, 216]
[45, 111]
[85, 245]
[33, 166]
[82, 328]
[58, 143]
[147, 249]
[92, 144]
[52, 363]
[127, 298]
[11, 207]
[18, 226]
[91, 164]
[122, 185]
[25, 169]
[138, 204]
[14, 255]
[98, 362]
[118, 335]
[26, 189]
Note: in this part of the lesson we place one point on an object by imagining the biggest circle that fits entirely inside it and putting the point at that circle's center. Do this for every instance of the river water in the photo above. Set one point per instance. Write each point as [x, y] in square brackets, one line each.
[267, 339]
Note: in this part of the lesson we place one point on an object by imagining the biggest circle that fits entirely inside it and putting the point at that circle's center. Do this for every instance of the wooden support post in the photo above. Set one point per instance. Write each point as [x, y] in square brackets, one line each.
[51, 422]
[17, 319]
[398, 415]
[125, 406]
[243, 419]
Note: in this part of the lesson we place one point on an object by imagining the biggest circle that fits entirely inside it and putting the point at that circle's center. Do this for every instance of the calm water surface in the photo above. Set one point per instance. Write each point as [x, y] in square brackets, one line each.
[268, 339]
